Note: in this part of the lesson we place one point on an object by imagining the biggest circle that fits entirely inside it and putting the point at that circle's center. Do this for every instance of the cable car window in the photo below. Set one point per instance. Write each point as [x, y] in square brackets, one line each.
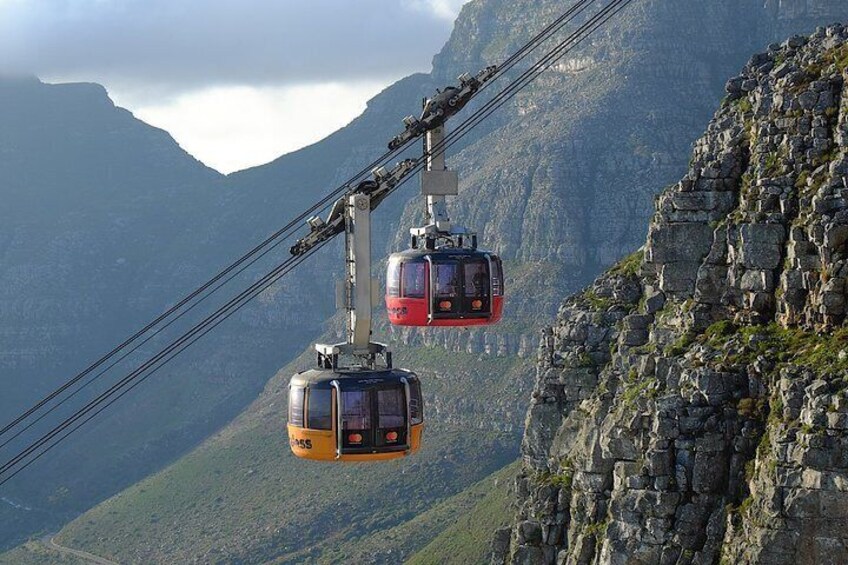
[497, 277]
[476, 278]
[319, 414]
[296, 394]
[414, 279]
[356, 419]
[447, 279]
[391, 407]
[416, 403]
[356, 410]
[446, 295]
[393, 278]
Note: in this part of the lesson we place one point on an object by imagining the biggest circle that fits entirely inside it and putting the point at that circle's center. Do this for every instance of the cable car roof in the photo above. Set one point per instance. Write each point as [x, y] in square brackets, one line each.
[353, 378]
[462, 252]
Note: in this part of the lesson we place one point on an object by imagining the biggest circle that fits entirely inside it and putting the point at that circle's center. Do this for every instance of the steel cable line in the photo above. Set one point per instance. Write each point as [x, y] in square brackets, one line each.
[235, 304]
[138, 345]
[545, 34]
[527, 77]
[522, 81]
[239, 265]
[551, 29]
[290, 265]
[174, 348]
[562, 49]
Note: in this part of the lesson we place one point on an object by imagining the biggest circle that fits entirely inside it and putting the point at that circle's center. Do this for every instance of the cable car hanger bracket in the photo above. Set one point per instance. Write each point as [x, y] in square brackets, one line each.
[444, 105]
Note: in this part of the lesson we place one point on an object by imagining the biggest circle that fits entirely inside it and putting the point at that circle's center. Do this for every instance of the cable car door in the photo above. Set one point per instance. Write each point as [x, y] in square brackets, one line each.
[391, 417]
[373, 419]
[446, 288]
[357, 424]
[476, 287]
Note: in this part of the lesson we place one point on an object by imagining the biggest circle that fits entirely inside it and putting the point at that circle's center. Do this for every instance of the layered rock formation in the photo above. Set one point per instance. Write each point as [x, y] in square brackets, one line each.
[691, 405]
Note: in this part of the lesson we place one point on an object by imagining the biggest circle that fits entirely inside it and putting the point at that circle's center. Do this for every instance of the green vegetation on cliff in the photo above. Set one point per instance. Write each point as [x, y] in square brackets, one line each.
[825, 353]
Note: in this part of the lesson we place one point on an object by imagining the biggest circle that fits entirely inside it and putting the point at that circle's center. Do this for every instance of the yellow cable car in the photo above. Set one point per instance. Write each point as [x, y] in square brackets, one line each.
[341, 415]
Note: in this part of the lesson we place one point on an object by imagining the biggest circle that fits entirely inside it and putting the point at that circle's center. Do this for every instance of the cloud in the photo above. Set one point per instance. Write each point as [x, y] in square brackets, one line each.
[236, 82]
[446, 9]
[232, 128]
[194, 43]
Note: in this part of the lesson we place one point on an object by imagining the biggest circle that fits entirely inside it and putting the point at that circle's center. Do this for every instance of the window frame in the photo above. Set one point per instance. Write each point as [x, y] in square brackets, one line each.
[416, 402]
[400, 403]
[368, 432]
[498, 284]
[368, 415]
[293, 402]
[476, 262]
[395, 268]
[457, 277]
[308, 413]
[424, 276]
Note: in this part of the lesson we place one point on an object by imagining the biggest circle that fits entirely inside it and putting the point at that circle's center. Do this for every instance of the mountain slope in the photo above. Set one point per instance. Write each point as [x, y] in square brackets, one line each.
[88, 191]
[466, 538]
[690, 406]
[245, 487]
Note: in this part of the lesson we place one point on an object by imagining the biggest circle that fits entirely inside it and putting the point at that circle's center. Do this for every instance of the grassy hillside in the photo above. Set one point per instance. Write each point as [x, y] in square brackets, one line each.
[464, 523]
[36, 552]
[243, 497]
[473, 517]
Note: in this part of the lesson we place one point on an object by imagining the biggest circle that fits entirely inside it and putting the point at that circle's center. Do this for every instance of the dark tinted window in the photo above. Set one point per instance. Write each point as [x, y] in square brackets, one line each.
[416, 402]
[391, 406]
[476, 278]
[319, 415]
[296, 394]
[414, 279]
[356, 410]
[447, 280]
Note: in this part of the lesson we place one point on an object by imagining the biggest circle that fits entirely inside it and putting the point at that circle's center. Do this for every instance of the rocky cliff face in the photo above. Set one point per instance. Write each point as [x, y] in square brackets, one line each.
[691, 406]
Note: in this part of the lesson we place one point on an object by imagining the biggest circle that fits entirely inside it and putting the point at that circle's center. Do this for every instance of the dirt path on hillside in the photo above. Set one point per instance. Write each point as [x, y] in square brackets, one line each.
[50, 542]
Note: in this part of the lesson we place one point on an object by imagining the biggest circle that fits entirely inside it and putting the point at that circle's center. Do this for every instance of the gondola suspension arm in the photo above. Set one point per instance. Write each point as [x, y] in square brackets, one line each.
[377, 188]
[441, 107]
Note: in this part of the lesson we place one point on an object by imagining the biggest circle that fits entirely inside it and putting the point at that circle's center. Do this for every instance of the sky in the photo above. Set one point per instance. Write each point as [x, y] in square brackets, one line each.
[236, 82]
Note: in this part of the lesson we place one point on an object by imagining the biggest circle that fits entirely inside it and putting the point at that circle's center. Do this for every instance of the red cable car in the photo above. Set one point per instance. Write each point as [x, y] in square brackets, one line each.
[444, 281]
[447, 286]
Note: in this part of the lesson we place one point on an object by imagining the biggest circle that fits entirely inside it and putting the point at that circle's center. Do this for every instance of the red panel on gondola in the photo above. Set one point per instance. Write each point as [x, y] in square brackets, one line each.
[453, 287]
